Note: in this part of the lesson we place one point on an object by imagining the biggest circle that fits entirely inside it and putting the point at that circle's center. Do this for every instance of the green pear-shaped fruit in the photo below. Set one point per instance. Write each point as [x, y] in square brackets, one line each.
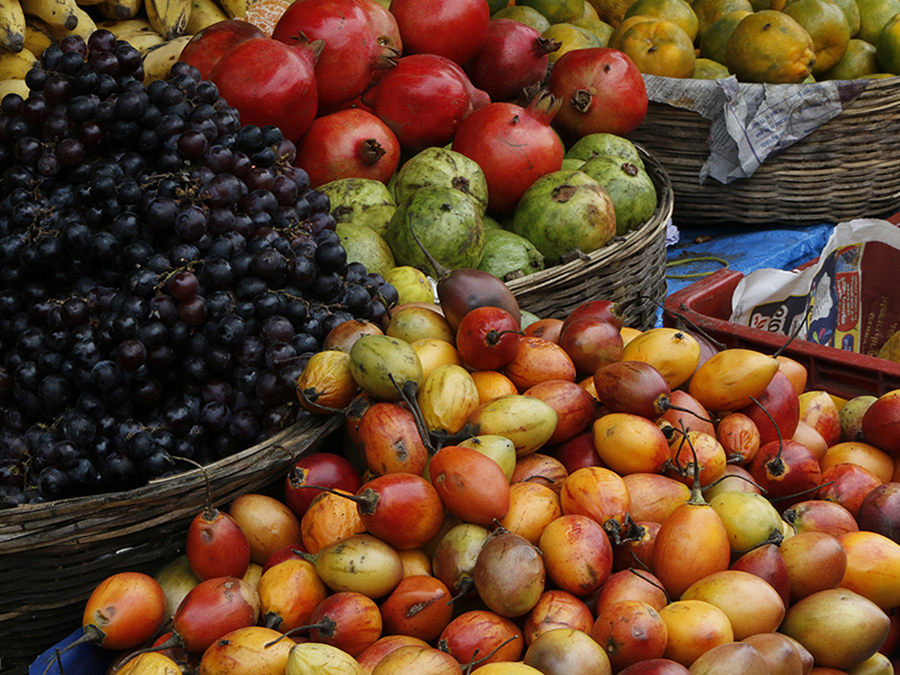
[364, 245]
[593, 145]
[444, 168]
[629, 186]
[508, 255]
[361, 201]
[446, 222]
[563, 211]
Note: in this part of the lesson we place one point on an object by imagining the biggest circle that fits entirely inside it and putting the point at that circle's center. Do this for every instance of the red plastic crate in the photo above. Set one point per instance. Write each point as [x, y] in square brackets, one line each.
[707, 304]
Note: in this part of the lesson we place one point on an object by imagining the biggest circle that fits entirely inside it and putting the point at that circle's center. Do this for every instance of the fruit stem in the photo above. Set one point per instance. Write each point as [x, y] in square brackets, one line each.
[775, 466]
[467, 669]
[408, 394]
[367, 500]
[92, 635]
[440, 271]
[790, 339]
[326, 625]
[621, 533]
[730, 475]
[175, 640]
[664, 403]
[544, 46]
[311, 394]
[650, 581]
[210, 512]
[371, 151]
[696, 492]
[802, 492]
[464, 586]
[493, 336]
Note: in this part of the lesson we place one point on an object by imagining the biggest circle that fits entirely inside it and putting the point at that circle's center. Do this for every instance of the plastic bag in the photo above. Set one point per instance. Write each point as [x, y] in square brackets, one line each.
[848, 298]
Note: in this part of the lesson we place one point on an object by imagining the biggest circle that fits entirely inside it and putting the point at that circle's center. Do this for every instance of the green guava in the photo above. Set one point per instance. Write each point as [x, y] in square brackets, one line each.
[629, 186]
[445, 168]
[445, 221]
[366, 246]
[593, 145]
[563, 211]
[508, 255]
[361, 201]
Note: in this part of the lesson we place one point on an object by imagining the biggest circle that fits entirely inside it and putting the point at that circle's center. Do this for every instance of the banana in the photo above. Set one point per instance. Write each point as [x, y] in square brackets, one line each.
[142, 40]
[168, 17]
[37, 36]
[119, 9]
[158, 60]
[84, 26]
[14, 86]
[12, 25]
[15, 65]
[235, 8]
[121, 27]
[55, 13]
[138, 32]
[205, 13]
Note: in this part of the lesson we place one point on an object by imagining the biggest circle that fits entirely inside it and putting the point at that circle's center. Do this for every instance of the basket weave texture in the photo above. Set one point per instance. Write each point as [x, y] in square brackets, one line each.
[629, 270]
[53, 555]
[847, 168]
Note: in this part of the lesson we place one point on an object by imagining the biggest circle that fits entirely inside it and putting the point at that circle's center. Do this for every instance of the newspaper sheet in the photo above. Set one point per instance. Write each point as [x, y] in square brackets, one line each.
[750, 122]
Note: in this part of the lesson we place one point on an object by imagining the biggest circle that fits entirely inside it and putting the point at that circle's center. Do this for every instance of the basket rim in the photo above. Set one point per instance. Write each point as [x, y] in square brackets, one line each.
[21, 525]
[609, 253]
[871, 82]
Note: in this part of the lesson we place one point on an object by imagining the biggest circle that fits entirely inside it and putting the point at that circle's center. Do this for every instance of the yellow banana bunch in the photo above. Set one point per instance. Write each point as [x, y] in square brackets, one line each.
[120, 27]
[137, 32]
[168, 17]
[37, 35]
[204, 13]
[158, 61]
[15, 65]
[55, 13]
[14, 86]
[84, 26]
[235, 8]
[12, 25]
[119, 9]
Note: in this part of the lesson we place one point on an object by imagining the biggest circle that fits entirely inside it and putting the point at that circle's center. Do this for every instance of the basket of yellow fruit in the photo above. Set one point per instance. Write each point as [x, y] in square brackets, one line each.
[767, 111]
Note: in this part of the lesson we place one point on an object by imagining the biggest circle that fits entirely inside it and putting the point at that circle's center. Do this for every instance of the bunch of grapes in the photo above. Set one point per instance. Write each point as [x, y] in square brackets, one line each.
[165, 273]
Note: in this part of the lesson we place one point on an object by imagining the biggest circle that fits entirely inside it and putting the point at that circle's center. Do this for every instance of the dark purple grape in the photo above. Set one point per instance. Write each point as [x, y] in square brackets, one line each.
[192, 311]
[131, 354]
[53, 483]
[101, 40]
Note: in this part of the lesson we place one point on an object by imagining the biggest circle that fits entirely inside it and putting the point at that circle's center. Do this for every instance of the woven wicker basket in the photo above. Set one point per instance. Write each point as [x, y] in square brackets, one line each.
[53, 555]
[847, 168]
[630, 269]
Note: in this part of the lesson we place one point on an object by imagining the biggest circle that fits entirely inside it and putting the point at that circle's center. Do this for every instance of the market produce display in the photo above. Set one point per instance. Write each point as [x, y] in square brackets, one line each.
[668, 508]
[217, 221]
[196, 265]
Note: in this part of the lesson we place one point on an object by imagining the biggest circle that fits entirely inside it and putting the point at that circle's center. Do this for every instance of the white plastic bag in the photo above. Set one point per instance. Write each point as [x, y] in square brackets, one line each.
[849, 298]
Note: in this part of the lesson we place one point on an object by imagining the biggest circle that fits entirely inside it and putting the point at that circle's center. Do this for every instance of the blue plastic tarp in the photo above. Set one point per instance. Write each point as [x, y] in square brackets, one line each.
[740, 248]
[83, 659]
[744, 249]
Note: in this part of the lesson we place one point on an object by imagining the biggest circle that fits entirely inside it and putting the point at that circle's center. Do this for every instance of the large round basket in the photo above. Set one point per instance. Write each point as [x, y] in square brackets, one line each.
[629, 270]
[847, 168]
[53, 555]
